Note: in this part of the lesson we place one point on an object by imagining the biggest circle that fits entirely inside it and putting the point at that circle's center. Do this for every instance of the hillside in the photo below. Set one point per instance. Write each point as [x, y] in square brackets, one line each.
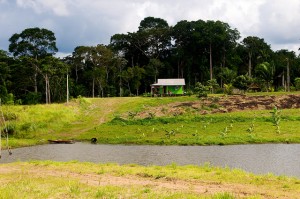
[178, 120]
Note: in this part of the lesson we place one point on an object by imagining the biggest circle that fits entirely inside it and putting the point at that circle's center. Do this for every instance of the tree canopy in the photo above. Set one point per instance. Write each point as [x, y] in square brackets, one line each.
[209, 53]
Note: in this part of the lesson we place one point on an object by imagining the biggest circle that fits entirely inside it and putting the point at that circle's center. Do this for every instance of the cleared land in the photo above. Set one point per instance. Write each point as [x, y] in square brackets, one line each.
[179, 121]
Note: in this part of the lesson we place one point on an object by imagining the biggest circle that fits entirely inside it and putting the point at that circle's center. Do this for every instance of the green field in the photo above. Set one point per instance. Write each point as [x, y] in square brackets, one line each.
[119, 121]
[116, 121]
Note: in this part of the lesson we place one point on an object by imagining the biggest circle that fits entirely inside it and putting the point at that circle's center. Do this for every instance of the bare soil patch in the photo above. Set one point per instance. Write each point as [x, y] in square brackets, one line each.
[223, 105]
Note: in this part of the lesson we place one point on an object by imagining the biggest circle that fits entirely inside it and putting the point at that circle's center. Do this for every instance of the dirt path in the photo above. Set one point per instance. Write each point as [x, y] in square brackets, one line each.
[173, 185]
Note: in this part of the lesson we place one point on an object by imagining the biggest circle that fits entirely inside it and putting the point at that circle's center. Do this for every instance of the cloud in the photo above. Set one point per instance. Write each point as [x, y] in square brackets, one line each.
[279, 23]
[58, 7]
[91, 22]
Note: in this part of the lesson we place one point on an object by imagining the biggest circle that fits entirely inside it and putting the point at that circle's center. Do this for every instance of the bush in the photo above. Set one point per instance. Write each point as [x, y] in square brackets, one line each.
[9, 116]
[242, 82]
[297, 83]
[33, 98]
[228, 89]
[201, 90]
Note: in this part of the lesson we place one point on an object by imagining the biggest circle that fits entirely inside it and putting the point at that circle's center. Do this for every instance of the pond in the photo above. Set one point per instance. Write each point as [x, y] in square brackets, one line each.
[279, 159]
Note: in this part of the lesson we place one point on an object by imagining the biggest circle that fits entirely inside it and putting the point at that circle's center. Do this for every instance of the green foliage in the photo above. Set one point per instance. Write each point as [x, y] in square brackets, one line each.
[297, 83]
[276, 118]
[10, 116]
[228, 89]
[223, 196]
[227, 75]
[201, 90]
[33, 98]
[212, 85]
[3, 94]
[242, 82]
[265, 73]
[134, 60]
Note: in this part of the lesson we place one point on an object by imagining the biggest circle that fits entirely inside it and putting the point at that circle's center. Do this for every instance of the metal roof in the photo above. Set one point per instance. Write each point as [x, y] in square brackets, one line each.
[170, 82]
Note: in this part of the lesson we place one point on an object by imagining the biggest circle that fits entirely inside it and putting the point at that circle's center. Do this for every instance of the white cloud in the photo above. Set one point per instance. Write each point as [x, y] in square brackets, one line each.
[58, 7]
[90, 22]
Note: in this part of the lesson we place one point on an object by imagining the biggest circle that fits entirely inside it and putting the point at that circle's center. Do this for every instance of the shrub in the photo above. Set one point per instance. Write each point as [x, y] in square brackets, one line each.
[9, 116]
[228, 89]
[33, 98]
[201, 90]
[297, 83]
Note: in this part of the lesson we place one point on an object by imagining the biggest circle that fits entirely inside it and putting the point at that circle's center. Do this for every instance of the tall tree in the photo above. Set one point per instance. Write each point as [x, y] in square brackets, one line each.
[36, 43]
[4, 75]
[256, 48]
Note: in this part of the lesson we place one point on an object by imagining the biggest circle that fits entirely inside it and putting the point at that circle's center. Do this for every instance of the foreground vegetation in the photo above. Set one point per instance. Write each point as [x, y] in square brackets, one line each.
[116, 121]
[47, 179]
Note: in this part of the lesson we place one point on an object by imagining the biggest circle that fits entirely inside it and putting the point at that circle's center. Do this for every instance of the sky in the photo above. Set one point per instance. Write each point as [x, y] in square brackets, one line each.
[91, 22]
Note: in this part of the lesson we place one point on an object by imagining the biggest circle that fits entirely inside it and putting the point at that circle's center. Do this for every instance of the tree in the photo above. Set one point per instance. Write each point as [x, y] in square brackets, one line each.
[256, 48]
[286, 66]
[219, 36]
[4, 75]
[184, 47]
[35, 43]
[242, 82]
[265, 73]
[227, 75]
[52, 67]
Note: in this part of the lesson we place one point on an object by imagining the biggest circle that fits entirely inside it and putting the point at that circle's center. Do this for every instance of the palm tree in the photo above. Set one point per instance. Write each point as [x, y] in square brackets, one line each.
[265, 72]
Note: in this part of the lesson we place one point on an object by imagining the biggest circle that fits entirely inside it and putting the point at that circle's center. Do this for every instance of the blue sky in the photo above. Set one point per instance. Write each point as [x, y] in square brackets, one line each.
[92, 22]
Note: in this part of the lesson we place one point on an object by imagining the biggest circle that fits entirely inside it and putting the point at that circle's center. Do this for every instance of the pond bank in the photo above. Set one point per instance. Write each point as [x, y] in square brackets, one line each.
[47, 179]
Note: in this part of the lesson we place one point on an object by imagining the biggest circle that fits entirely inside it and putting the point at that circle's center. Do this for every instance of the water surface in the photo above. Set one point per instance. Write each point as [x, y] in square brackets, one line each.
[279, 159]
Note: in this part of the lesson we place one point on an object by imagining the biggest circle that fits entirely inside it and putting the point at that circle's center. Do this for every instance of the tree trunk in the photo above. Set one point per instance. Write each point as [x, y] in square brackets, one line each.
[288, 75]
[49, 93]
[210, 62]
[46, 88]
[250, 64]
[35, 79]
[93, 88]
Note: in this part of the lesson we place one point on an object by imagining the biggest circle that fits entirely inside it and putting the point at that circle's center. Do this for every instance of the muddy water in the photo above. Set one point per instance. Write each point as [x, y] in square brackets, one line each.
[279, 159]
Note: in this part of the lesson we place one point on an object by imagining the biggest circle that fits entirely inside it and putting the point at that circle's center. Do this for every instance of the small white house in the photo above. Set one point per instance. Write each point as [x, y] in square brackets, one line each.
[168, 87]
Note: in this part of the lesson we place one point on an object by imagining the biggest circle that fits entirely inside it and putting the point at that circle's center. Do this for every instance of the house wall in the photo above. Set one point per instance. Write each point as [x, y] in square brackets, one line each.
[177, 90]
[174, 90]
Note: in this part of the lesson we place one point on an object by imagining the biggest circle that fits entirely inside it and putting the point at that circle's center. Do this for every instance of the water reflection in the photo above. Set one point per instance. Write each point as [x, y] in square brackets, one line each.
[280, 159]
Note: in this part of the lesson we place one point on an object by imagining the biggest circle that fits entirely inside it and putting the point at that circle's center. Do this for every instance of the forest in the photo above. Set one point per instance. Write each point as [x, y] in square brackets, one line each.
[207, 53]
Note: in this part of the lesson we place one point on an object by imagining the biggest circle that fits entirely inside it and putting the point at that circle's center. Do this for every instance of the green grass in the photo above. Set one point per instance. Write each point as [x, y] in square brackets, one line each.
[102, 118]
[229, 128]
[47, 179]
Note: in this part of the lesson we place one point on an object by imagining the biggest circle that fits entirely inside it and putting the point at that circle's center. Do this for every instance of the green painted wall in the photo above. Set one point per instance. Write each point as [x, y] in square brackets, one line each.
[177, 90]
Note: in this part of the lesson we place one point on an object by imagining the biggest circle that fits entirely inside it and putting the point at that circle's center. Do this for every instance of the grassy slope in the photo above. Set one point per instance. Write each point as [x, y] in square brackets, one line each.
[86, 180]
[87, 118]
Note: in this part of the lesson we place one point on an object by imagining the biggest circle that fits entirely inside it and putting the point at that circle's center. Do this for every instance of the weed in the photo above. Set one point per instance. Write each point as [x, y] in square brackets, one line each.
[224, 133]
[151, 115]
[170, 133]
[10, 116]
[223, 196]
[74, 188]
[164, 110]
[131, 115]
[276, 117]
